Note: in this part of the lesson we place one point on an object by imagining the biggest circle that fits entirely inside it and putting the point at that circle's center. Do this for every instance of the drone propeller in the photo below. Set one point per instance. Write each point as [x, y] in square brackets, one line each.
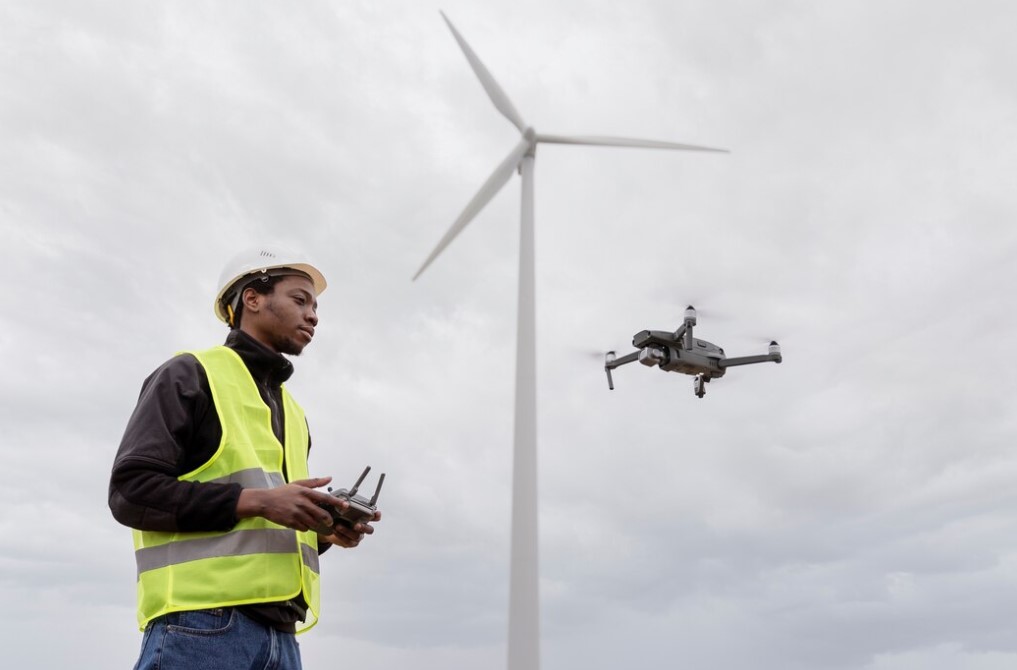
[707, 312]
[757, 339]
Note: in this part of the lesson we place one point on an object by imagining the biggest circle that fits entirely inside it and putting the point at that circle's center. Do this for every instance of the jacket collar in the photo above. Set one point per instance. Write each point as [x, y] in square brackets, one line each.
[265, 365]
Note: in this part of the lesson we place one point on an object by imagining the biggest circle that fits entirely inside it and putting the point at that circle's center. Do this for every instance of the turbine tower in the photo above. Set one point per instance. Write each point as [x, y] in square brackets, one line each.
[524, 605]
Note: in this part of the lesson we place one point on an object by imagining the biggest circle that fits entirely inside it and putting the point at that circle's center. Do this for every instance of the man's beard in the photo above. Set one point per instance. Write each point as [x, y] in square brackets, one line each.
[283, 344]
[286, 345]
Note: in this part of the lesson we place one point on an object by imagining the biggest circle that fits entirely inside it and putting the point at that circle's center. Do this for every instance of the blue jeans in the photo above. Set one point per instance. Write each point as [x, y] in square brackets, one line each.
[216, 639]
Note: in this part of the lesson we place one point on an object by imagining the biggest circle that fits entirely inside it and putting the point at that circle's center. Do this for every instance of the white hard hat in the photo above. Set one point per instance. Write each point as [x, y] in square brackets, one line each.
[256, 261]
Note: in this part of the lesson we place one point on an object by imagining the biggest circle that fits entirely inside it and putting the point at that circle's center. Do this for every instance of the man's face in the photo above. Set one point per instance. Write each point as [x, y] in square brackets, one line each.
[283, 320]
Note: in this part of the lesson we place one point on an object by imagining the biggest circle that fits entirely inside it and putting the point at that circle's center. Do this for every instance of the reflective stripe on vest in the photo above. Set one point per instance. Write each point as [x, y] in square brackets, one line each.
[257, 560]
[239, 543]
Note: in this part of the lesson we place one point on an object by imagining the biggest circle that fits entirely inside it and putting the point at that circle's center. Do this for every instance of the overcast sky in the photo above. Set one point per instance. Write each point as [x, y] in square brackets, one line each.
[852, 508]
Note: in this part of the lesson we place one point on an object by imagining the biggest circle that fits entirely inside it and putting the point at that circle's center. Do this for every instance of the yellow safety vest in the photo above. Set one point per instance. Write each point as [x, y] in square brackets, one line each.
[257, 561]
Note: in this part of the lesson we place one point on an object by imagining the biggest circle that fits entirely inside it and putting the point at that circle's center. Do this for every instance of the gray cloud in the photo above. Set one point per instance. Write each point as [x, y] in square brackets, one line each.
[850, 508]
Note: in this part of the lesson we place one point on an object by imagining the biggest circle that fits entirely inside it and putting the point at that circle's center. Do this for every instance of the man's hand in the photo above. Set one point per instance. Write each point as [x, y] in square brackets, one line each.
[294, 505]
[347, 537]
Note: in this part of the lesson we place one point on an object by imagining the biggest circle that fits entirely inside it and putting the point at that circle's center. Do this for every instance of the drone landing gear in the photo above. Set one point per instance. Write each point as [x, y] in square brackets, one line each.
[699, 384]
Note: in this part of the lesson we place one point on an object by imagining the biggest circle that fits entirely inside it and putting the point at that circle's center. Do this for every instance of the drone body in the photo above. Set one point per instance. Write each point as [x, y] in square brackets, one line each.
[679, 351]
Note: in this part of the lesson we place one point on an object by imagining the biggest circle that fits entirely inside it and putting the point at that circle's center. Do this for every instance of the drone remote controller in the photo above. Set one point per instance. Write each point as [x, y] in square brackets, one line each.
[360, 510]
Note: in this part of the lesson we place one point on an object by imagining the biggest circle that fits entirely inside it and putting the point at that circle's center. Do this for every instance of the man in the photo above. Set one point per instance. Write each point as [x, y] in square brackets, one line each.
[212, 475]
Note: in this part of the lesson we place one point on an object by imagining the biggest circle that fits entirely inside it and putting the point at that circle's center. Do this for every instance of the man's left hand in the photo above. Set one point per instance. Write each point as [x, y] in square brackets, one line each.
[347, 537]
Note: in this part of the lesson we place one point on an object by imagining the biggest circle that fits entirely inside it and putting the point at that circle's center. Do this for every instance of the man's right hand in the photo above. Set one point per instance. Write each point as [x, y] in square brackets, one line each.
[294, 505]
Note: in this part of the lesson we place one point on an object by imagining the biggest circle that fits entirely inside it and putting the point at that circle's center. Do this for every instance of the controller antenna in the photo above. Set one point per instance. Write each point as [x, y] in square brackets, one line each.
[377, 490]
[353, 491]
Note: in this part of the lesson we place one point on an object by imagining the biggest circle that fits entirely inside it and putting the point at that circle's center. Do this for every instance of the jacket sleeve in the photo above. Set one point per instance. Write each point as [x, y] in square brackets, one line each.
[173, 430]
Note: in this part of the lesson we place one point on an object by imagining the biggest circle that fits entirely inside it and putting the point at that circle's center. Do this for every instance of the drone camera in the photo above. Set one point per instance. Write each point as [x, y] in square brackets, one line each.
[651, 356]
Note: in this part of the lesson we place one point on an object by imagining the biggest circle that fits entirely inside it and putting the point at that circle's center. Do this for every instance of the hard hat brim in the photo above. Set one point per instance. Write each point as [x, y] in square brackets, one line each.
[306, 269]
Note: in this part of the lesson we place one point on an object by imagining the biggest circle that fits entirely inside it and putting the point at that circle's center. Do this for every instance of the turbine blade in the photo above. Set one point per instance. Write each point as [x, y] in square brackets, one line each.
[622, 142]
[494, 91]
[494, 183]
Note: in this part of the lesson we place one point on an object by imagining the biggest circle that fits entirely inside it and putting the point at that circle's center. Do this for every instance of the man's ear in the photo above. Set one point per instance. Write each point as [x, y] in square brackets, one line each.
[251, 300]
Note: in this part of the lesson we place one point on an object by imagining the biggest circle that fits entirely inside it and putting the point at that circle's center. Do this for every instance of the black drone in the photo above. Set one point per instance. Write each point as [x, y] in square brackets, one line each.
[680, 352]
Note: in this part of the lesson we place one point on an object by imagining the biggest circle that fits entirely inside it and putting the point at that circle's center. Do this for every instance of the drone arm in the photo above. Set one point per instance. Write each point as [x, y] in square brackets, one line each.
[748, 360]
[627, 358]
[612, 363]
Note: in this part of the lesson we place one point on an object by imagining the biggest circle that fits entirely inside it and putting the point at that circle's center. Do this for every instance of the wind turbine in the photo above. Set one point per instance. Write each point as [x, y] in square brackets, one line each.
[524, 606]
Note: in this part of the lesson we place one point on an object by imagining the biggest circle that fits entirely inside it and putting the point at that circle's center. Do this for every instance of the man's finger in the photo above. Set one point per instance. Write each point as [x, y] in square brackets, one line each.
[322, 498]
